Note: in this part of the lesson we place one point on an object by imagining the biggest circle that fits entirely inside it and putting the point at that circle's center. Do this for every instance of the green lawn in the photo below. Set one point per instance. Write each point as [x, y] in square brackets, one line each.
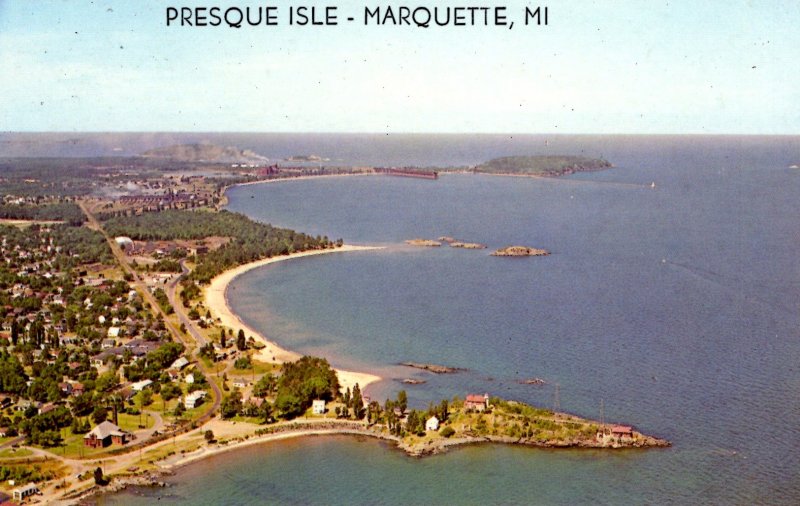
[258, 369]
[13, 453]
[131, 423]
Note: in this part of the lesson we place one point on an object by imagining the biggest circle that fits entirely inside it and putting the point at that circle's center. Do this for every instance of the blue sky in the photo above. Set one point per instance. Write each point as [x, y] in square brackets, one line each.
[600, 67]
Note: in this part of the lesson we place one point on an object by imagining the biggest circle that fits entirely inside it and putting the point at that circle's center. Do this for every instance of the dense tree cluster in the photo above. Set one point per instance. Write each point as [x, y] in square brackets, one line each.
[303, 381]
[231, 404]
[250, 240]
[59, 211]
[44, 429]
[12, 374]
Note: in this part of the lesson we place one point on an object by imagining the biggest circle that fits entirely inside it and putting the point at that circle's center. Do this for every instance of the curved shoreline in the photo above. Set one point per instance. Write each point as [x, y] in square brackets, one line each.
[216, 300]
[205, 452]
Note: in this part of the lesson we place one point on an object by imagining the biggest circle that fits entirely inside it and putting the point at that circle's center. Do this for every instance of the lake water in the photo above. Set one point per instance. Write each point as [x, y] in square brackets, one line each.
[676, 305]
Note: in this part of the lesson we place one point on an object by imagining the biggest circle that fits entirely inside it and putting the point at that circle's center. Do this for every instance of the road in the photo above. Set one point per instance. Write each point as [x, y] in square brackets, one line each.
[143, 289]
[180, 311]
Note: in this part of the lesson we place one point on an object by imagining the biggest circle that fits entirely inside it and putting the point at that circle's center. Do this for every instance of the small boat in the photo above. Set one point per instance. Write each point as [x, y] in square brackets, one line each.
[653, 184]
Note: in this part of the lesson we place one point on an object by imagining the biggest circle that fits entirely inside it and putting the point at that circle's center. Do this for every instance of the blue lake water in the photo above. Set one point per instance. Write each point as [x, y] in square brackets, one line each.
[676, 305]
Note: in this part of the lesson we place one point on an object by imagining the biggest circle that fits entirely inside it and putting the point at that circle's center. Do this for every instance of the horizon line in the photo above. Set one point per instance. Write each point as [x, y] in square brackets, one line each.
[328, 132]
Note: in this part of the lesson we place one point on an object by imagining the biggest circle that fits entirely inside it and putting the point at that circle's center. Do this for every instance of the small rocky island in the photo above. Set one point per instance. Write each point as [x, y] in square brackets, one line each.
[532, 381]
[467, 245]
[434, 368]
[424, 243]
[455, 243]
[520, 251]
[545, 166]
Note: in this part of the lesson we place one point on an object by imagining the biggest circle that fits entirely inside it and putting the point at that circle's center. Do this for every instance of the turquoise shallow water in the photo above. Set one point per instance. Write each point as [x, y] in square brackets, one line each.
[678, 306]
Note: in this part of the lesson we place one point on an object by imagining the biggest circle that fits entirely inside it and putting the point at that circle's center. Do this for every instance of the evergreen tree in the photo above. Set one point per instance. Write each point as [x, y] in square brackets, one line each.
[99, 414]
[402, 400]
[241, 343]
[357, 403]
[14, 332]
[444, 408]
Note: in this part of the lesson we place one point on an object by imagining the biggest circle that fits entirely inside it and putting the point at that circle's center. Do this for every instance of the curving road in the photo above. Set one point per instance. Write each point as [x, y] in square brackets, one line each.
[142, 288]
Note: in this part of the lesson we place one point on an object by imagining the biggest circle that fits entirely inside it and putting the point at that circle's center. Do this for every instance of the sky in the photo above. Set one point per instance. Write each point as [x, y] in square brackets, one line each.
[640, 67]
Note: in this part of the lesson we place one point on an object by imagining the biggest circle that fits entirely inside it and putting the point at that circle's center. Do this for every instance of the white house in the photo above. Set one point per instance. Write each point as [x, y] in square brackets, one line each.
[194, 399]
[113, 331]
[180, 363]
[318, 407]
[239, 383]
[23, 492]
[432, 424]
[141, 385]
[190, 378]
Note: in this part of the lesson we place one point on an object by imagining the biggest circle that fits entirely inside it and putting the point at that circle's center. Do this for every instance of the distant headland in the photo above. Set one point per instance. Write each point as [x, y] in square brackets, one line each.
[204, 153]
[546, 166]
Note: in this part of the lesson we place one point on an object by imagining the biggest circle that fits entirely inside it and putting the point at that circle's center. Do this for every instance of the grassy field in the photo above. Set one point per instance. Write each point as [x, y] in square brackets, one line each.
[15, 453]
[258, 369]
[131, 423]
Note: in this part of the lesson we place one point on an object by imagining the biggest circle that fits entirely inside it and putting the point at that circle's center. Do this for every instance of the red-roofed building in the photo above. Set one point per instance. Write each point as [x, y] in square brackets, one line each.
[476, 402]
[622, 430]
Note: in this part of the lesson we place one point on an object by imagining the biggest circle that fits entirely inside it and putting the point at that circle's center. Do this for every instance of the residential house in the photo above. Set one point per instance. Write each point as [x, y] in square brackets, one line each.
[180, 363]
[476, 402]
[432, 424]
[194, 399]
[318, 407]
[78, 389]
[252, 406]
[141, 385]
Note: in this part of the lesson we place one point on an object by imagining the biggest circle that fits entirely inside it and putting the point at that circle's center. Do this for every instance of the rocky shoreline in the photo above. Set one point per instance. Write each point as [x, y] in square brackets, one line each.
[118, 484]
[441, 446]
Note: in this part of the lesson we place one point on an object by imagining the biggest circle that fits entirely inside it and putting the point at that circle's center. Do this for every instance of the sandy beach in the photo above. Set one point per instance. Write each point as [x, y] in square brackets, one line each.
[217, 302]
[302, 178]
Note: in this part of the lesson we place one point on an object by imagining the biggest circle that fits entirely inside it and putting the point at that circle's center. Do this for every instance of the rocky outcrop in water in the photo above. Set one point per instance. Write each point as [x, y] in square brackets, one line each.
[520, 251]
